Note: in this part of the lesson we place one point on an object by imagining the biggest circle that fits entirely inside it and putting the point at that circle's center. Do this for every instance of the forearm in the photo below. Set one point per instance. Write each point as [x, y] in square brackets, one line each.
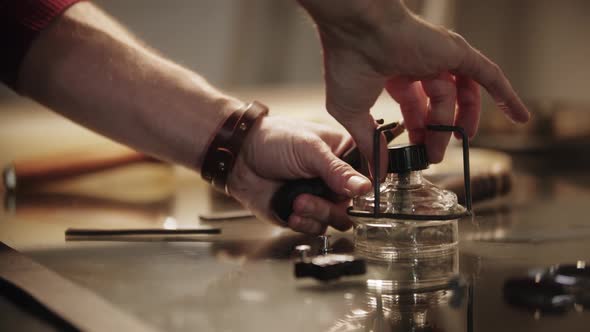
[92, 71]
[333, 13]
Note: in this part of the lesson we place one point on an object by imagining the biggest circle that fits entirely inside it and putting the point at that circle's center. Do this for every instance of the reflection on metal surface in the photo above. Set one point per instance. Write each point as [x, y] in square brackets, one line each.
[553, 290]
[281, 246]
[9, 177]
[39, 203]
[381, 311]
[325, 240]
[170, 223]
[414, 273]
[399, 295]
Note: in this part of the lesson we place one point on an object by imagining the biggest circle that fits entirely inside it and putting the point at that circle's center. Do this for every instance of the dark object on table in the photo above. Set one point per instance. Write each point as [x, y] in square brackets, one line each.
[142, 234]
[330, 267]
[553, 290]
[226, 215]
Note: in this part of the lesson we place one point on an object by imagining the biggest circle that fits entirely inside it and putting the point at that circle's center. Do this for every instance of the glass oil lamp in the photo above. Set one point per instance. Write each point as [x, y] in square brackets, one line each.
[406, 216]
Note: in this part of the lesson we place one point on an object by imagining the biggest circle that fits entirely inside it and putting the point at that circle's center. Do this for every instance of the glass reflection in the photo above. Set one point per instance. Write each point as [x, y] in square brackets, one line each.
[405, 295]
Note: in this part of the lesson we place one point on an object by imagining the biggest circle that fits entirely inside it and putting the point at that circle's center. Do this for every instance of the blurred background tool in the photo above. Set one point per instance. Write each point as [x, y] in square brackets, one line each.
[555, 290]
[139, 234]
[326, 266]
[25, 174]
[556, 126]
[491, 173]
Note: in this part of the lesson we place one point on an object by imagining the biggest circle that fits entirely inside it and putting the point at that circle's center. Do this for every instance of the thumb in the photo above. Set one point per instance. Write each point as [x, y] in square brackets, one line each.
[337, 174]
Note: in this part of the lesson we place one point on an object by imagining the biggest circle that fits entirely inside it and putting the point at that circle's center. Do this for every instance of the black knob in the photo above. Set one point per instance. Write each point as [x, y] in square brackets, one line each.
[406, 158]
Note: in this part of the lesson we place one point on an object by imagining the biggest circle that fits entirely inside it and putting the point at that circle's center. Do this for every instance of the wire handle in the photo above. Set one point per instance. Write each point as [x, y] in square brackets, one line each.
[377, 162]
[466, 168]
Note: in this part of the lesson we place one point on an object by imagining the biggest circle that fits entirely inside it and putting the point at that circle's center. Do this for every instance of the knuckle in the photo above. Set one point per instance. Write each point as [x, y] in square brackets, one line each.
[337, 166]
[494, 78]
[441, 90]
[315, 144]
[459, 50]
[305, 142]
[498, 73]
[459, 40]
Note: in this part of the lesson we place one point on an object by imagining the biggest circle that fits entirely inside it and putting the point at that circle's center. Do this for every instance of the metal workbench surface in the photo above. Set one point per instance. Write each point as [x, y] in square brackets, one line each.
[242, 280]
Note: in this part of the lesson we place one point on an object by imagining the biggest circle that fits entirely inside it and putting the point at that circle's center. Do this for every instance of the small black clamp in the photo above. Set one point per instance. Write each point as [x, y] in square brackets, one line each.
[327, 266]
[330, 267]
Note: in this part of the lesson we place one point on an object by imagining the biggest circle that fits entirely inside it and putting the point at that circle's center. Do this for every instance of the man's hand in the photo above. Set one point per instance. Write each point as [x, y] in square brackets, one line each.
[429, 70]
[280, 149]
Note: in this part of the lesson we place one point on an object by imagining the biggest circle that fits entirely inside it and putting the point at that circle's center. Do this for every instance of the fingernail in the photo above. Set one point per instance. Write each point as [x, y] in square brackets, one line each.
[356, 185]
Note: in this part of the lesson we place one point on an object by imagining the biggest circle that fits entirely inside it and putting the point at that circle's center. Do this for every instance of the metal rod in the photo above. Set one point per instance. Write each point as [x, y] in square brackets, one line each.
[466, 168]
[140, 231]
[404, 216]
[376, 171]
[377, 162]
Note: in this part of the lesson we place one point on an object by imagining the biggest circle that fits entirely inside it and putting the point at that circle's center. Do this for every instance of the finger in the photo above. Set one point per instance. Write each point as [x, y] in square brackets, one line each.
[481, 69]
[442, 95]
[352, 87]
[468, 105]
[338, 175]
[412, 102]
[306, 225]
[323, 211]
[362, 128]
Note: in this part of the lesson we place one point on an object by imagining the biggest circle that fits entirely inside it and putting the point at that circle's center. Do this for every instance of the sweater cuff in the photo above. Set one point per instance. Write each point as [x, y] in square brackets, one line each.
[21, 21]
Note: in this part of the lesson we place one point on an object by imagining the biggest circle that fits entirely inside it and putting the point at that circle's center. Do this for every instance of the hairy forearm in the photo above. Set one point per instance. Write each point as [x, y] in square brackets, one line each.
[89, 69]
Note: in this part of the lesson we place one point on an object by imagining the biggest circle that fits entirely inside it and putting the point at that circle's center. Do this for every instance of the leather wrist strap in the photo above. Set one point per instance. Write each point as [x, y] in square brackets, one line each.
[226, 144]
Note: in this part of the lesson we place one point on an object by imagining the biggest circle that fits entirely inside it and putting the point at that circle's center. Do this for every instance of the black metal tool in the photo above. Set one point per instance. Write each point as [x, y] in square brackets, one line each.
[327, 267]
[553, 290]
[142, 234]
[330, 267]
[283, 198]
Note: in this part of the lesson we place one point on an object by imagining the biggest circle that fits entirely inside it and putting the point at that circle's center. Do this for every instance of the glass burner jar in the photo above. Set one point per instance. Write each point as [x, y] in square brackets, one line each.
[415, 218]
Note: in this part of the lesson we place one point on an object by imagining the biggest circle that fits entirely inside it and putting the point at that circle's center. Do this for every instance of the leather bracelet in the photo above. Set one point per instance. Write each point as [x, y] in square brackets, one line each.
[225, 146]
